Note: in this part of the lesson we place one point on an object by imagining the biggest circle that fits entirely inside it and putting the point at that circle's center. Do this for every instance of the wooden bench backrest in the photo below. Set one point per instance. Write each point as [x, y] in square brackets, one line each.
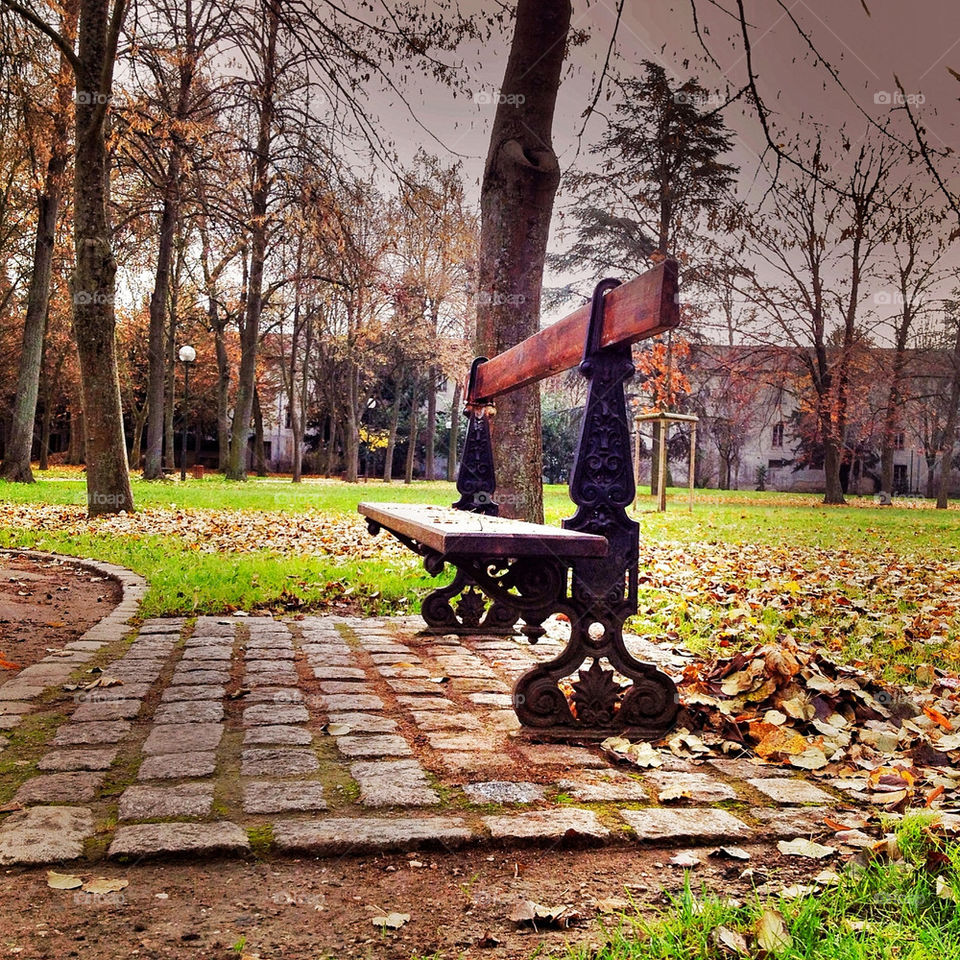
[642, 308]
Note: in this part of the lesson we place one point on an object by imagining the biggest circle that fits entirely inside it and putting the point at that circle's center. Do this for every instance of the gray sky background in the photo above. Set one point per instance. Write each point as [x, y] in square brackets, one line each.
[915, 41]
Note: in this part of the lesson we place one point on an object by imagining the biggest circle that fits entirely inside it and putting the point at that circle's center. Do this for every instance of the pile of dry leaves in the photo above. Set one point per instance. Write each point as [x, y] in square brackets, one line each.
[788, 704]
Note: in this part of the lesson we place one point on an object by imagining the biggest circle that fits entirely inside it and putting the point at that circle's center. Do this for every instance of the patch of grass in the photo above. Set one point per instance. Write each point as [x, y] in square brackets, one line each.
[901, 909]
[26, 745]
[261, 839]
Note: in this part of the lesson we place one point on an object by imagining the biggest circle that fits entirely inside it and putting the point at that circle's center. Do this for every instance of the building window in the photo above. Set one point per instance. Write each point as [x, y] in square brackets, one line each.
[900, 441]
[776, 464]
[777, 440]
[900, 483]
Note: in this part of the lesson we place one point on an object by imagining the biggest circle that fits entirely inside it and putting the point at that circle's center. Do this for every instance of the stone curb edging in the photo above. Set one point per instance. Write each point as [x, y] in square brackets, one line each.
[106, 630]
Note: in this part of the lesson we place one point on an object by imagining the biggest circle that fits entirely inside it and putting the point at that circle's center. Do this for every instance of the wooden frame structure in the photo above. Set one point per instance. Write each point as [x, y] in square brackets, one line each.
[665, 418]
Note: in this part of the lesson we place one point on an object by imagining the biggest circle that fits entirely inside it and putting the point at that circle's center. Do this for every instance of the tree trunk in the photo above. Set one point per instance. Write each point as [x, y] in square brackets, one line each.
[75, 447]
[950, 431]
[655, 428]
[259, 452]
[156, 352]
[931, 479]
[520, 181]
[332, 447]
[250, 338]
[430, 435]
[16, 462]
[454, 434]
[832, 461]
[412, 432]
[392, 435]
[136, 449]
[170, 399]
[45, 423]
[94, 320]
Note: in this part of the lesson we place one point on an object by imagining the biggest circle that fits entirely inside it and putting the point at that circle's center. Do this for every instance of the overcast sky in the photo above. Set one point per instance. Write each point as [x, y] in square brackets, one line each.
[916, 41]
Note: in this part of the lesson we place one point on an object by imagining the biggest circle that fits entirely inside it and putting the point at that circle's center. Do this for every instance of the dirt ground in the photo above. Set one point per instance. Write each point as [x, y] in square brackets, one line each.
[459, 904]
[45, 604]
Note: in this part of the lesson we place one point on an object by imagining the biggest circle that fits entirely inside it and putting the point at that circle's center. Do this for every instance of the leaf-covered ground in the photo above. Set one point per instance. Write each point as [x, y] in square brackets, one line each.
[878, 587]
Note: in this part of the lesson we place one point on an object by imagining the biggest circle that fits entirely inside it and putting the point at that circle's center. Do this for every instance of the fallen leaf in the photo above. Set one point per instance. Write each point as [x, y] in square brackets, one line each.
[729, 941]
[391, 921]
[772, 933]
[805, 848]
[63, 881]
[102, 885]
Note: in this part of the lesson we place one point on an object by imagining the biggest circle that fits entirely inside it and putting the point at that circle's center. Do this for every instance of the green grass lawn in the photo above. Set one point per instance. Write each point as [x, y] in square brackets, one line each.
[893, 908]
[729, 536]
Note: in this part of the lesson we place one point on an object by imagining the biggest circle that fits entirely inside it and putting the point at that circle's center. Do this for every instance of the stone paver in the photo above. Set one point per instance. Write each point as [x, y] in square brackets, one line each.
[157, 839]
[363, 722]
[377, 745]
[339, 673]
[790, 790]
[426, 703]
[107, 710]
[605, 785]
[684, 826]
[209, 692]
[167, 738]
[564, 824]
[503, 791]
[436, 720]
[62, 760]
[459, 763]
[341, 702]
[95, 732]
[334, 837]
[184, 800]
[257, 762]
[45, 834]
[274, 713]
[471, 742]
[73, 787]
[189, 711]
[200, 677]
[177, 765]
[793, 822]
[393, 783]
[265, 796]
[698, 787]
[558, 754]
[277, 734]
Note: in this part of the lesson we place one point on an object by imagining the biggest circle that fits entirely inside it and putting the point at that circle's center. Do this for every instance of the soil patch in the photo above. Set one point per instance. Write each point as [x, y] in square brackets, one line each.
[45, 604]
[459, 904]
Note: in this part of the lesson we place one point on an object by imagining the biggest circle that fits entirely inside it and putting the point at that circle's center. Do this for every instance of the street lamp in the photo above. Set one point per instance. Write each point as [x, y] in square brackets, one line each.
[187, 355]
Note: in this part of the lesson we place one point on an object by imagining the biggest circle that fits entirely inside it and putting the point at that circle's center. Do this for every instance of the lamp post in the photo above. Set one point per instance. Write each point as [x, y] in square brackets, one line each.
[187, 355]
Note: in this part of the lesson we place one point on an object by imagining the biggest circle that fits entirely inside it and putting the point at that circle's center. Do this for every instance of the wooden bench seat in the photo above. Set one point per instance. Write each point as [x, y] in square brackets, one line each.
[449, 532]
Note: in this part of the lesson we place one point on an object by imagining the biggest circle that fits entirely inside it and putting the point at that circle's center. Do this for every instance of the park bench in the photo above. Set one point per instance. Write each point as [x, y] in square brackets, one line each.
[587, 568]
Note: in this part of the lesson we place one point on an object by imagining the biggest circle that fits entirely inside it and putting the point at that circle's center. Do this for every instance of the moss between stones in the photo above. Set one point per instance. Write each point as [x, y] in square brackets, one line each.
[261, 839]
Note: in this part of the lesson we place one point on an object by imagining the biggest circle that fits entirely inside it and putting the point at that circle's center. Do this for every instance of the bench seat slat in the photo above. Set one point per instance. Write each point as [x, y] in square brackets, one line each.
[457, 532]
